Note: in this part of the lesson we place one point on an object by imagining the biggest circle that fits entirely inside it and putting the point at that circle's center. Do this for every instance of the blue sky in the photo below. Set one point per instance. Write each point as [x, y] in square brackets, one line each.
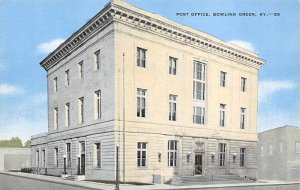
[29, 29]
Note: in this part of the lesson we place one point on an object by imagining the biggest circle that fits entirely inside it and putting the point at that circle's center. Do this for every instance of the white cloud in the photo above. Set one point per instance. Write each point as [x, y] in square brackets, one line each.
[48, 47]
[270, 87]
[8, 90]
[246, 45]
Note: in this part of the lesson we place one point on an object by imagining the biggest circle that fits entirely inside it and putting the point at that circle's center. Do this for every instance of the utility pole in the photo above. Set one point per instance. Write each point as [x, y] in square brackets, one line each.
[123, 117]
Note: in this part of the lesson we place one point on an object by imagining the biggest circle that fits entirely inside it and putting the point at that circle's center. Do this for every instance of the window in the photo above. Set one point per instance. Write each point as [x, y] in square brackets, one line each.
[97, 104]
[141, 102]
[199, 115]
[242, 157]
[222, 115]
[97, 60]
[68, 154]
[172, 107]
[270, 149]
[43, 158]
[243, 84]
[172, 66]
[141, 154]
[37, 158]
[81, 110]
[222, 154]
[67, 77]
[223, 79]
[280, 147]
[80, 67]
[55, 122]
[199, 81]
[67, 114]
[56, 157]
[242, 122]
[141, 57]
[172, 153]
[97, 155]
[55, 84]
[297, 147]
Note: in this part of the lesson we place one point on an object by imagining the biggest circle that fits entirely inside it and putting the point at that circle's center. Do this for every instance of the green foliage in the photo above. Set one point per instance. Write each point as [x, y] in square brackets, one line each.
[14, 142]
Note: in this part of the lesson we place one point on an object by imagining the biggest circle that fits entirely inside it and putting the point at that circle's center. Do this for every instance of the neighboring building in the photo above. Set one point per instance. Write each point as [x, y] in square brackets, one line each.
[14, 158]
[190, 100]
[279, 154]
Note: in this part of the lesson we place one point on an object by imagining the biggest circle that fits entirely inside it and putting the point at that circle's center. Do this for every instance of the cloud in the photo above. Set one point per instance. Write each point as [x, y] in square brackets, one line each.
[8, 90]
[270, 87]
[48, 47]
[246, 45]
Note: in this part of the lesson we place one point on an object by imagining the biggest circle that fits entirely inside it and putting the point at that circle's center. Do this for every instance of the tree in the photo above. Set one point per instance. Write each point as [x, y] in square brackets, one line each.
[13, 142]
[27, 144]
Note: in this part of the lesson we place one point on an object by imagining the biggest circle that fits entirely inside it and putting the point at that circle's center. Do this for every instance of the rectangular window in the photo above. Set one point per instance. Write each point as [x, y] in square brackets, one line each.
[55, 84]
[297, 147]
[141, 154]
[97, 104]
[67, 114]
[43, 158]
[172, 107]
[56, 157]
[141, 57]
[199, 80]
[97, 60]
[68, 154]
[97, 155]
[37, 158]
[67, 77]
[172, 66]
[242, 157]
[141, 102]
[222, 154]
[243, 118]
[243, 84]
[81, 109]
[55, 120]
[270, 149]
[172, 153]
[222, 115]
[80, 68]
[223, 79]
[199, 115]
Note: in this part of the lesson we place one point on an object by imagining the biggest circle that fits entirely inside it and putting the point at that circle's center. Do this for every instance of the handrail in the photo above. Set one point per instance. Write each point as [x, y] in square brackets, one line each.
[212, 174]
[198, 171]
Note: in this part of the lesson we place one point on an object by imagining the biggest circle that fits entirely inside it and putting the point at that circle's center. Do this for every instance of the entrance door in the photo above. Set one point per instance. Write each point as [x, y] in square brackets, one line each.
[82, 159]
[198, 164]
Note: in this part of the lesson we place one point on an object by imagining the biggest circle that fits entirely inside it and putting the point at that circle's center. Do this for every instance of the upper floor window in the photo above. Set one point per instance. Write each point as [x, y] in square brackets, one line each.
[243, 84]
[242, 157]
[173, 66]
[55, 120]
[97, 104]
[67, 114]
[243, 118]
[172, 153]
[172, 107]
[141, 57]
[223, 79]
[141, 102]
[97, 60]
[80, 68]
[198, 115]
[222, 154]
[141, 154]
[297, 146]
[67, 77]
[222, 115]
[199, 80]
[81, 109]
[55, 84]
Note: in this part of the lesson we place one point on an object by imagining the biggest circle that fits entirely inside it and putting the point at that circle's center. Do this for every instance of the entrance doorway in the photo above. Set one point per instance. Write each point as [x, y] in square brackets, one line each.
[82, 159]
[198, 164]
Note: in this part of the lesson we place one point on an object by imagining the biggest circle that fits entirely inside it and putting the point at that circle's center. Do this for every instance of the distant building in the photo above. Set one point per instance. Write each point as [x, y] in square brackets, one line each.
[14, 158]
[279, 154]
[190, 101]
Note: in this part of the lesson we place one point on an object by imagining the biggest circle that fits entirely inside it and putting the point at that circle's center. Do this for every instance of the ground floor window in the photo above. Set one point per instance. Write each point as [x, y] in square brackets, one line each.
[56, 157]
[97, 160]
[43, 158]
[68, 154]
[242, 157]
[172, 153]
[222, 153]
[141, 154]
[37, 158]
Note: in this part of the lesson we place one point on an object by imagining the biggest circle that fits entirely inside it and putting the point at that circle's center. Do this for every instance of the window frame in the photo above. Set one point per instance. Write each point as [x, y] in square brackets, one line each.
[173, 62]
[222, 115]
[200, 117]
[67, 116]
[56, 157]
[223, 78]
[97, 59]
[81, 69]
[199, 81]
[141, 98]
[68, 155]
[97, 104]
[81, 110]
[242, 118]
[222, 154]
[67, 77]
[243, 84]
[55, 118]
[140, 150]
[172, 160]
[242, 157]
[141, 61]
[173, 107]
[55, 84]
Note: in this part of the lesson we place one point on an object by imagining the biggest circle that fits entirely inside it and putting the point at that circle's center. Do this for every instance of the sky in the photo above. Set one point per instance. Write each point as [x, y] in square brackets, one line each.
[30, 29]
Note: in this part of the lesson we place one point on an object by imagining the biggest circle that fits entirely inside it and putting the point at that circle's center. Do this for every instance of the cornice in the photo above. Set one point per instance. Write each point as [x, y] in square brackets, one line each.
[119, 13]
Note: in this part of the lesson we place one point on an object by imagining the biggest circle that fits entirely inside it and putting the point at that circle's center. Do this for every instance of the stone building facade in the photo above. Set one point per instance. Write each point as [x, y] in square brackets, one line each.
[279, 154]
[190, 100]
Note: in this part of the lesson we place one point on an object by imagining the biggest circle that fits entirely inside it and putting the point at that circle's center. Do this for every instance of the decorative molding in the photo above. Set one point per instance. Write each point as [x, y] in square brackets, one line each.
[115, 12]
